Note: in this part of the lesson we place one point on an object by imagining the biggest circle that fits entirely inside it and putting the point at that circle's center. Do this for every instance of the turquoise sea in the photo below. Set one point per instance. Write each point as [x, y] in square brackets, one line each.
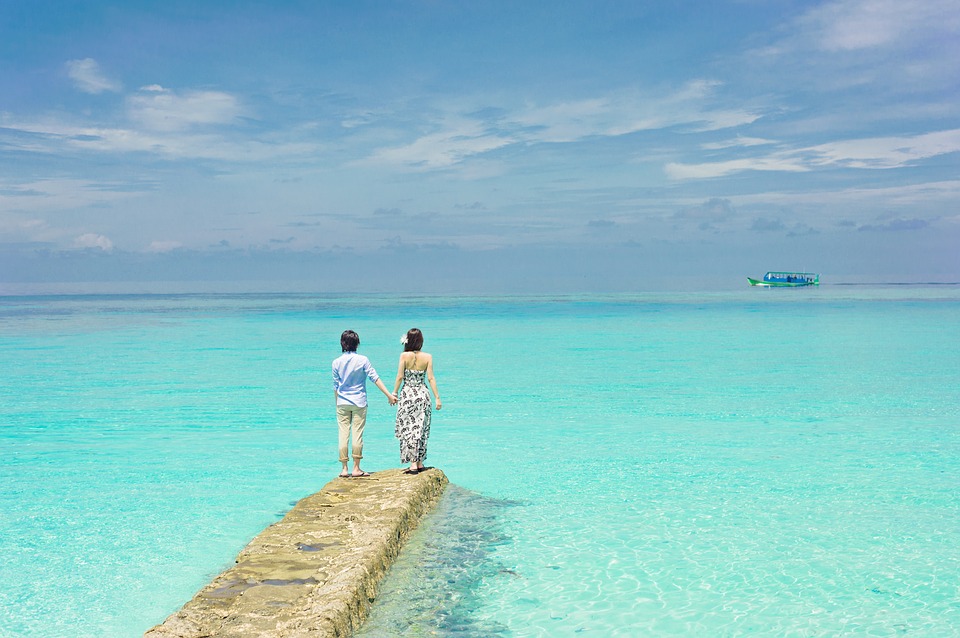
[742, 462]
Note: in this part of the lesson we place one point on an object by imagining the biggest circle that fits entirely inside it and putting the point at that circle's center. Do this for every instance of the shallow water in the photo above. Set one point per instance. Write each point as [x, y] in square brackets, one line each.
[768, 462]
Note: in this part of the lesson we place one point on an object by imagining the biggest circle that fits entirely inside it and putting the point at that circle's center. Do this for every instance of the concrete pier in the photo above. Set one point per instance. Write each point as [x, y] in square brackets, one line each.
[315, 572]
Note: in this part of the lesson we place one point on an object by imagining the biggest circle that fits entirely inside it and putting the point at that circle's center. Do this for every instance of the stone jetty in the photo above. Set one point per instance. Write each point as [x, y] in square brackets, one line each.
[315, 572]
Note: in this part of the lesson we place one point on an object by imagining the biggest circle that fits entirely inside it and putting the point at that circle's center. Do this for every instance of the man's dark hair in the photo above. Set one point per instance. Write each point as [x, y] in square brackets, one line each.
[349, 341]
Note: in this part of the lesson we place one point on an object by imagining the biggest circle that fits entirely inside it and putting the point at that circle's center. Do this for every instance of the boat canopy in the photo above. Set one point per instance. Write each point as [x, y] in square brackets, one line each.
[783, 277]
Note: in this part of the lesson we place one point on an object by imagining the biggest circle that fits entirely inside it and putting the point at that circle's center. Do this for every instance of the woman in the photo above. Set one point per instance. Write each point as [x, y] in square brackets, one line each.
[413, 409]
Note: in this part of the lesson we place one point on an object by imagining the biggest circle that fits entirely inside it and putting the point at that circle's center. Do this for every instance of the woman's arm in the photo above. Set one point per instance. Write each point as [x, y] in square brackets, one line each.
[396, 384]
[433, 382]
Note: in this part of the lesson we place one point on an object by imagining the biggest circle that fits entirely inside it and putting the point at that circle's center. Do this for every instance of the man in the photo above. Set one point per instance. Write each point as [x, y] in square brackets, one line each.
[350, 374]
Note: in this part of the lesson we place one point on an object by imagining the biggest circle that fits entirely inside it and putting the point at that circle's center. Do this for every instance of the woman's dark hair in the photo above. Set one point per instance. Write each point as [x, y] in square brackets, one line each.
[349, 341]
[414, 340]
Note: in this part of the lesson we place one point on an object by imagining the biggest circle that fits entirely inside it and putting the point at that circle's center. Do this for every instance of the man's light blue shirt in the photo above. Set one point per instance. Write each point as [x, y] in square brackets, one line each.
[350, 373]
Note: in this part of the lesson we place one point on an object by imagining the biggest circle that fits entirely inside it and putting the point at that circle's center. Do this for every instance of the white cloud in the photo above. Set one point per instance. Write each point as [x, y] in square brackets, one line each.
[93, 240]
[885, 152]
[886, 50]
[360, 118]
[50, 136]
[44, 195]
[459, 140]
[878, 152]
[908, 196]
[738, 141]
[462, 137]
[630, 112]
[566, 121]
[848, 25]
[163, 246]
[88, 77]
[160, 109]
[25, 229]
[708, 215]
[707, 170]
[164, 123]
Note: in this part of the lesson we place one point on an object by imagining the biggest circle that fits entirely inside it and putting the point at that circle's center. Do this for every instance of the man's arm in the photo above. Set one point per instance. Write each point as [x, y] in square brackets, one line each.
[390, 396]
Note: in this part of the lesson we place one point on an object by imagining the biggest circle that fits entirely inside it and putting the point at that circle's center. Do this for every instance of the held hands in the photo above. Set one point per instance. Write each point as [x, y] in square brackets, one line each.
[392, 399]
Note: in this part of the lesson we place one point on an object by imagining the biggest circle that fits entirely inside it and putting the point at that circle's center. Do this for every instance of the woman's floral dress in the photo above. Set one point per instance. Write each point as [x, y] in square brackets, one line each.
[413, 417]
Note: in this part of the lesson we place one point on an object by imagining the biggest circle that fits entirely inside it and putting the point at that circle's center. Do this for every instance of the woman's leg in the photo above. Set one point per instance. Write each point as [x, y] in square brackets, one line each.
[424, 435]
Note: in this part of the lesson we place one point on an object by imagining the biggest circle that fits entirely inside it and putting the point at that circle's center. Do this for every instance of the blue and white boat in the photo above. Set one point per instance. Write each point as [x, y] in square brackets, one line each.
[784, 279]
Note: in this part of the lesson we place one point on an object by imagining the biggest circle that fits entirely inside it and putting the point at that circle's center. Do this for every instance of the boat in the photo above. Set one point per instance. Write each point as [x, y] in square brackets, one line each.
[778, 279]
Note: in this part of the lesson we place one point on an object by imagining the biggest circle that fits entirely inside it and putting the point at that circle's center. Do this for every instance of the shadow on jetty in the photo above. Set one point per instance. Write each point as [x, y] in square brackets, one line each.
[431, 590]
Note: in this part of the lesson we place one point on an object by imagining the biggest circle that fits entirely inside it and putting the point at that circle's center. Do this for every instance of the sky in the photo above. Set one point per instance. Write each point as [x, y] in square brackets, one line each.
[461, 146]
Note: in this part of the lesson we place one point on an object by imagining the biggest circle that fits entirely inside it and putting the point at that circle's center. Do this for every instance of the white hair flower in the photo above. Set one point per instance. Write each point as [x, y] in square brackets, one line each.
[403, 340]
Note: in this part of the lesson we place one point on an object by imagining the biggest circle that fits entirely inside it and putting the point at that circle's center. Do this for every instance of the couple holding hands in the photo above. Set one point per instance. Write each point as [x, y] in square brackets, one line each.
[350, 374]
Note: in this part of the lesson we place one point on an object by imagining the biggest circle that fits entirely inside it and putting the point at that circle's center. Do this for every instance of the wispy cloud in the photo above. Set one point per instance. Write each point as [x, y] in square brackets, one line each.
[709, 215]
[896, 225]
[764, 225]
[738, 141]
[884, 152]
[892, 50]
[601, 224]
[22, 229]
[875, 153]
[54, 136]
[778, 162]
[44, 195]
[93, 240]
[160, 109]
[630, 112]
[457, 141]
[189, 124]
[88, 77]
[163, 246]
[186, 124]
[859, 204]
[462, 136]
[848, 25]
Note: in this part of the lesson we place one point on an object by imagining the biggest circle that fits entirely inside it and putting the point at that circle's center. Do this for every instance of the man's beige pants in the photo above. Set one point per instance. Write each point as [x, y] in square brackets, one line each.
[351, 416]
